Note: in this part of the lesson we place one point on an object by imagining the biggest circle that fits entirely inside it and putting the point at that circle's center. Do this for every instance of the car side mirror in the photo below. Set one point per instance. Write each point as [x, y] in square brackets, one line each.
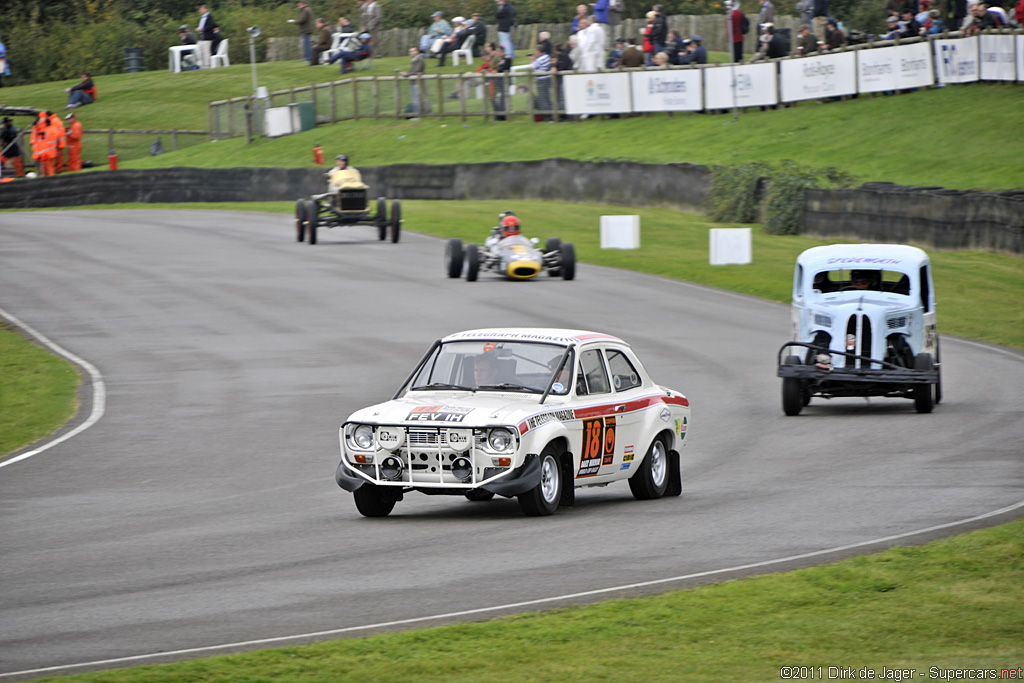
[534, 241]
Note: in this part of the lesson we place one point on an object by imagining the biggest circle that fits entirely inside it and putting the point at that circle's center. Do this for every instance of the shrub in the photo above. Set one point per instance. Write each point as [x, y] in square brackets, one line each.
[733, 195]
[784, 200]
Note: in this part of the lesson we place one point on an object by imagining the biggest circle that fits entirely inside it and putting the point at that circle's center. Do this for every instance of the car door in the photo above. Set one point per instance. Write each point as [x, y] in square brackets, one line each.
[629, 412]
[596, 414]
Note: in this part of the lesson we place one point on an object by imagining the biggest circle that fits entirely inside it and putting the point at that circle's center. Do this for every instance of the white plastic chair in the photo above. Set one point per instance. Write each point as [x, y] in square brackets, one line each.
[466, 51]
[221, 58]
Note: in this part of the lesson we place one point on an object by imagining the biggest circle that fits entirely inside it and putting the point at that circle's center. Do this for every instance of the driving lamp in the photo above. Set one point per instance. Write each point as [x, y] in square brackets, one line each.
[391, 468]
[462, 469]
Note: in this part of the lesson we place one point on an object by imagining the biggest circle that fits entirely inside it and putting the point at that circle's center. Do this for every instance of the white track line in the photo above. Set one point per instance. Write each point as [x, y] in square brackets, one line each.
[513, 605]
[99, 390]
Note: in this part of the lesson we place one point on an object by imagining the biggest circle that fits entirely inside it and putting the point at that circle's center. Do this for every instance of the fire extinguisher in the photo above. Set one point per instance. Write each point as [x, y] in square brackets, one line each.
[112, 159]
[318, 155]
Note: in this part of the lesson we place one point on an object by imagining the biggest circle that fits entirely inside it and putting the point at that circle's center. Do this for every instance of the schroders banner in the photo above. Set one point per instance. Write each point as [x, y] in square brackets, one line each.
[998, 58]
[667, 90]
[894, 68]
[598, 93]
[956, 60]
[756, 86]
[811, 78]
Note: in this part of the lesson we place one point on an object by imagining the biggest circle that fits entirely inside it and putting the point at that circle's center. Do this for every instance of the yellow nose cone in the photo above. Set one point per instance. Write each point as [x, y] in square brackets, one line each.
[523, 270]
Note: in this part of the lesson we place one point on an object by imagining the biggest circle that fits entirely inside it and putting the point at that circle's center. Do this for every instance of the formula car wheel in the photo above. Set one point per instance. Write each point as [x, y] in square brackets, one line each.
[479, 495]
[300, 220]
[382, 218]
[396, 220]
[542, 499]
[924, 399]
[568, 261]
[472, 262]
[651, 478]
[453, 257]
[373, 501]
[792, 390]
[312, 220]
[938, 385]
[554, 244]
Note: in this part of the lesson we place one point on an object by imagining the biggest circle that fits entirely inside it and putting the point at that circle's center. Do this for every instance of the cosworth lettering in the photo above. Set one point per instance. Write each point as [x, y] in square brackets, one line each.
[862, 259]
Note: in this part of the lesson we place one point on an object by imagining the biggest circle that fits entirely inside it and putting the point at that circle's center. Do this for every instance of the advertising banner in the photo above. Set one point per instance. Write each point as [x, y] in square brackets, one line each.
[667, 90]
[811, 77]
[1020, 57]
[998, 58]
[756, 86]
[956, 61]
[598, 93]
[876, 69]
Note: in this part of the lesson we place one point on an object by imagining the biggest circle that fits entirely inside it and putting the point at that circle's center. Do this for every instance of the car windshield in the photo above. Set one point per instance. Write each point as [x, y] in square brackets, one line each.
[525, 367]
[845, 280]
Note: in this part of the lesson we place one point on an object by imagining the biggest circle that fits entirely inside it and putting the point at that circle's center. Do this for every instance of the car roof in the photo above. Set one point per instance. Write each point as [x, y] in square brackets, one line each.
[899, 257]
[537, 334]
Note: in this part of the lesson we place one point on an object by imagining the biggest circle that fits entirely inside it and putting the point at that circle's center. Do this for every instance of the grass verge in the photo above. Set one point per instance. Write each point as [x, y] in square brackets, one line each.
[957, 603]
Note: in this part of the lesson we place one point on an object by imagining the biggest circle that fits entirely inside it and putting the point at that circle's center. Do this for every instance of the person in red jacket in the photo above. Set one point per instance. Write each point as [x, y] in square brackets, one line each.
[81, 93]
[74, 142]
[61, 138]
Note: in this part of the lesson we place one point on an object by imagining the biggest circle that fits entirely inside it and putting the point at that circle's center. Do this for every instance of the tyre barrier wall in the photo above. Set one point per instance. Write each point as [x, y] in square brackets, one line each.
[875, 212]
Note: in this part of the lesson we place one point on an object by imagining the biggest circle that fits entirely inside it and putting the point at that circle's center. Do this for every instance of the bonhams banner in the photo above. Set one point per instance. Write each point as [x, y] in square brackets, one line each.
[756, 86]
[956, 61]
[675, 90]
[811, 78]
[894, 68]
[998, 58]
[602, 93]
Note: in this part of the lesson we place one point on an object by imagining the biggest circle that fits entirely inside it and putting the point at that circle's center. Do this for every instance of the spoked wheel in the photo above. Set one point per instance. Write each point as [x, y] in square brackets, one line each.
[472, 262]
[312, 219]
[568, 261]
[553, 244]
[792, 391]
[396, 220]
[651, 478]
[543, 498]
[479, 495]
[374, 501]
[300, 220]
[382, 218]
[453, 257]
[924, 399]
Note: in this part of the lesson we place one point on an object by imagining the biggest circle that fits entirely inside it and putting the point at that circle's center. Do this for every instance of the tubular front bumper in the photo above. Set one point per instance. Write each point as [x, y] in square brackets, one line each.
[888, 373]
[520, 480]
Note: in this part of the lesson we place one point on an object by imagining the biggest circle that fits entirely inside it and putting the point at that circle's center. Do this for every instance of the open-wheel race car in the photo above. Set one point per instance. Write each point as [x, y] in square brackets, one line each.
[863, 325]
[507, 252]
[346, 206]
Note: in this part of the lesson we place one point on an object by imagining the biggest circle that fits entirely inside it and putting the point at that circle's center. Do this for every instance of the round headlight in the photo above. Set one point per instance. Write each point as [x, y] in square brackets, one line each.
[363, 436]
[499, 439]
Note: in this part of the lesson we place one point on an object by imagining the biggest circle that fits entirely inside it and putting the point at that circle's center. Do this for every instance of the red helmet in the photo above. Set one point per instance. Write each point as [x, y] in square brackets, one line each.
[510, 225]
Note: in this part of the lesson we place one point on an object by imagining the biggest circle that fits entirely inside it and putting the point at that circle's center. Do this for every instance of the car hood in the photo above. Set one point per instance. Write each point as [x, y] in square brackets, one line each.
[461, 409]
[867, 304]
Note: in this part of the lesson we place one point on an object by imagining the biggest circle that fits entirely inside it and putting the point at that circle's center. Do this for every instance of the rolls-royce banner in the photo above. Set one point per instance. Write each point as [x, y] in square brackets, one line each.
[998, 58]
[667, 90]
[956, 60]
[811, 78]
[602, 93]
[756, 86]
[895, 68]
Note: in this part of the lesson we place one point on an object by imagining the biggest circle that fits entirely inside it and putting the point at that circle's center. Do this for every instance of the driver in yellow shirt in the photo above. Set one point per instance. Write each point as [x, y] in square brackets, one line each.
[342, 176]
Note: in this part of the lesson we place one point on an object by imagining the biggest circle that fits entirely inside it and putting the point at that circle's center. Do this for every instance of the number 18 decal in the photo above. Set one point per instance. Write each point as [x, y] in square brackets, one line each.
[598, 444]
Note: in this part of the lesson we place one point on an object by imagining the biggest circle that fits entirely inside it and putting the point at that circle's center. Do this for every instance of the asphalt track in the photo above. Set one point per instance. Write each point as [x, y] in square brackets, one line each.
[201, 509]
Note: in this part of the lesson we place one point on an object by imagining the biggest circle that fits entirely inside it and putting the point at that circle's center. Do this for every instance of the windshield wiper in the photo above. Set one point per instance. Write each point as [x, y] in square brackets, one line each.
[442, 385]
[514, 387]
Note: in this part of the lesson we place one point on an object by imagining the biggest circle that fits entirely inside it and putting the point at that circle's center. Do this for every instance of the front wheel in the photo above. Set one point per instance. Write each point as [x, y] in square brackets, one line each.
[543, 499]
[568, 261]
[554, 244]
[472, 262]
[453, 257]
[300, 220]
[396, 220]
[373, 501]
[792, 391]
[382, 218]
[651, 478]
[312, 219]
[924, 399]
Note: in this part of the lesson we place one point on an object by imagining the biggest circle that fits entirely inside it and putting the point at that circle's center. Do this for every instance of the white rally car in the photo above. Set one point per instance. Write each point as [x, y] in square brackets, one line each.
[530, 413]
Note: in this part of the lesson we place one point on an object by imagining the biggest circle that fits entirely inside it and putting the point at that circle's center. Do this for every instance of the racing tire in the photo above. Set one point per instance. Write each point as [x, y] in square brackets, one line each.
[651, 478]
[938, 385]
[312, 220]
[792, 390]
[472, 262]
[554, 244]
[382, 218]
[924, 399]
[372, 501]
[396, 221]
[479, 495]
[453, 257]
[300, 220]
[542, 500]
[568, 261]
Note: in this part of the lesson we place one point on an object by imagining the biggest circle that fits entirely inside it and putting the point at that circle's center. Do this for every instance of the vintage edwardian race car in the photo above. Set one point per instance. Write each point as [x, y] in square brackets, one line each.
[863, 325]
[525, 413]
[507, 252]
[347, 206]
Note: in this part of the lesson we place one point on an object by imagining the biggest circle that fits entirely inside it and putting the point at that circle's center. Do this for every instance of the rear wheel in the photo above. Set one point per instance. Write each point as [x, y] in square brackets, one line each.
[453, 257]
[312, 219]
[543, 498]
[300, 220]
[792, 390]
[554, 244]
[924, 399]
[568, 261]
[373, 501]
[396, 220]
[472, 262]
[382, 218]
[938, 385]
[651, 478]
